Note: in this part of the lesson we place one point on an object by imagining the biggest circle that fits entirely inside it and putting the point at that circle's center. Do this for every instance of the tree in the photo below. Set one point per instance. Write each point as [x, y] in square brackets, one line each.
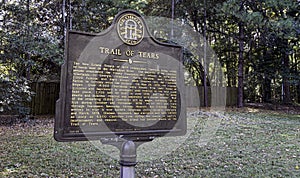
[255, 38]
[95, 16]
[29, 50]
[257, 42]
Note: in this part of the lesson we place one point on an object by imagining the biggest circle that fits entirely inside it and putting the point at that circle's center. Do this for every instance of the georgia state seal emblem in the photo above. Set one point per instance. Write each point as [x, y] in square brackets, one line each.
[130, 29]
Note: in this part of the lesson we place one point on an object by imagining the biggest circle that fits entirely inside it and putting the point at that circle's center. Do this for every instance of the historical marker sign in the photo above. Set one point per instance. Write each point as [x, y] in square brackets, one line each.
[120, 82]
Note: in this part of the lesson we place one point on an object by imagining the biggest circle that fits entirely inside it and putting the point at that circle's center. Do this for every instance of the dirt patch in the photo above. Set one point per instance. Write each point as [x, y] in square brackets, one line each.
[269, 107]
[11, 120]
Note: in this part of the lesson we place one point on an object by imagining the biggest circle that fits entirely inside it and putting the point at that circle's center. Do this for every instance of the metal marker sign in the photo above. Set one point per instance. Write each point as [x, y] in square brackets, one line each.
[121, 82]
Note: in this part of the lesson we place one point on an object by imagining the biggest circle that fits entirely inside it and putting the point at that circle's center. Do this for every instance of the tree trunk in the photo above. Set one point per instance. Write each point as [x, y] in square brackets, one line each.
[70, 18]
[266, 92]
[3, 22]
[27, 56]
[229, 83]
[298, 91]
[286, 96]
[84, 15]
[205, 59]
[298, 84]
[172, 20]
[267, 89]
[241, 66]
[63, 11]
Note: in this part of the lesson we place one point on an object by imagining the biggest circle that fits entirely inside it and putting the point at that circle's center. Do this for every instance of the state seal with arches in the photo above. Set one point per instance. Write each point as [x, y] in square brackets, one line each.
[130, 29]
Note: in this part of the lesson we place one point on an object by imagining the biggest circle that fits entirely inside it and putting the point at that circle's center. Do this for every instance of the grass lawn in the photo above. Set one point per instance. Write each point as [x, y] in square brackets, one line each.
[246, 144]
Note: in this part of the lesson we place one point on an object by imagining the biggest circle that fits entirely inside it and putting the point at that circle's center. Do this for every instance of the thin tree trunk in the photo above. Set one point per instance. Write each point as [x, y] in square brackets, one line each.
[172, 20]
[64, 24]
[285, 78]
[298, 85]
[205, 59]
[241, 61]
[3, 22]
[267, 89]
[266, 92]
[298, 91]
[28, 57]
[70, 16]
[241, 66]
[84, 15]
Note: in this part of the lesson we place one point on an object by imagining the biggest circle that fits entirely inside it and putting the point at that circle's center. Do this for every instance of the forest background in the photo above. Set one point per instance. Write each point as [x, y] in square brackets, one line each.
[256, 42]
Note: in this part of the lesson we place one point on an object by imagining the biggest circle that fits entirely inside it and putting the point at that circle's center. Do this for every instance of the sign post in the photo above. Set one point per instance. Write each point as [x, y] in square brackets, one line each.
[120, 84]
[128, 159]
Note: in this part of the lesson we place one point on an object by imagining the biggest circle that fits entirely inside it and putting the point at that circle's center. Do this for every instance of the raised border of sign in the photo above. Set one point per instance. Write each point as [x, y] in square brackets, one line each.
[60, 133]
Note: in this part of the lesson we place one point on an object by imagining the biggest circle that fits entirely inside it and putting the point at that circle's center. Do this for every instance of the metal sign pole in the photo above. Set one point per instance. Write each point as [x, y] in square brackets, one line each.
[128, 159]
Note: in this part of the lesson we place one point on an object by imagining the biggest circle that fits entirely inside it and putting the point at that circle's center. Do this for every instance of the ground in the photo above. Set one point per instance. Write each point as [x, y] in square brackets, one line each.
[249, 142]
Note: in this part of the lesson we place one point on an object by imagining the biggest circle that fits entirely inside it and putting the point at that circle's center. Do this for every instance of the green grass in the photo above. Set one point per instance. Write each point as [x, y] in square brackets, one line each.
[245, 145]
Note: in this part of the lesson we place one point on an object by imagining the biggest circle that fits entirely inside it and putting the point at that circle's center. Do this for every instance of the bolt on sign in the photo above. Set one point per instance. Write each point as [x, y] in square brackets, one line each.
[121, 82]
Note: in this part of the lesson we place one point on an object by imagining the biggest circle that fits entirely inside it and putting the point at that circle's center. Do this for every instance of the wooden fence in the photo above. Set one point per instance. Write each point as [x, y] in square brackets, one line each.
[43, 101]
[217, 96]
[46, 94]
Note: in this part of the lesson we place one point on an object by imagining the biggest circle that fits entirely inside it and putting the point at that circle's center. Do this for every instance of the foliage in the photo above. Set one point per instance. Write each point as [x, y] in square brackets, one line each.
[271, 36]
[96, 16]
[32, 37]
[268, 47]
[29, 39]
[13, 94]
[30, 50]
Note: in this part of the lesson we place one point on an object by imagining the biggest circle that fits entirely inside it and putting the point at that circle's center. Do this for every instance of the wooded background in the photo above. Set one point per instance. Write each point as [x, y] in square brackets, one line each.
[47, 93]
[256, 42]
